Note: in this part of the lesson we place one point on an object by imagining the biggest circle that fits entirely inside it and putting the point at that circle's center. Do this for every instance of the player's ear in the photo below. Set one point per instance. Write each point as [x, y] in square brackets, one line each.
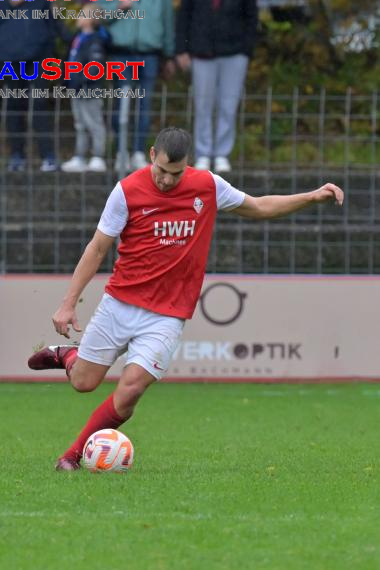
[152, 154]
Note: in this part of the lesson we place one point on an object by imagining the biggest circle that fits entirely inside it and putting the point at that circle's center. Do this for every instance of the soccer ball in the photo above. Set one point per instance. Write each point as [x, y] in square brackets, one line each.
[108, 450]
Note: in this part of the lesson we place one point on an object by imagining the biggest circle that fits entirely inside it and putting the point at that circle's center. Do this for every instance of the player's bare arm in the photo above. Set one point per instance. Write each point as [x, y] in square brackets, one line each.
[87, 266]
[267, 207]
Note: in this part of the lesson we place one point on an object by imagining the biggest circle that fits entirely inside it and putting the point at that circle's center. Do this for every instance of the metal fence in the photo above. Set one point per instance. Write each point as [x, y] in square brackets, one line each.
[285, 144]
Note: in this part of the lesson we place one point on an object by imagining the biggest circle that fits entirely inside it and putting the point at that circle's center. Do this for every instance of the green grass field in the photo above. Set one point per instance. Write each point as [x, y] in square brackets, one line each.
[225, 477]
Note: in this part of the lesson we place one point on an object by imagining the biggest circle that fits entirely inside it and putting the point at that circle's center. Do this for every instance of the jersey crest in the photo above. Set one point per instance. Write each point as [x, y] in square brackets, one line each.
[198, 205]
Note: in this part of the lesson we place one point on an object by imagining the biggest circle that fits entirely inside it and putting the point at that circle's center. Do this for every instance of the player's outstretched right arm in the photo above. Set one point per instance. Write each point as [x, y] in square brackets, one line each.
[87, 266]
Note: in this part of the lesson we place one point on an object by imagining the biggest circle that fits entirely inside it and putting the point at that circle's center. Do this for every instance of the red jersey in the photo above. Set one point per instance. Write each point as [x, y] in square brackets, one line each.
[165, 243]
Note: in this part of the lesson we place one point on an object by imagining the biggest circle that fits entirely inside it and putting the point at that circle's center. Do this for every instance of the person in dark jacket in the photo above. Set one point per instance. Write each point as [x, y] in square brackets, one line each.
[216, 39]
[89, 44]
[30, 40]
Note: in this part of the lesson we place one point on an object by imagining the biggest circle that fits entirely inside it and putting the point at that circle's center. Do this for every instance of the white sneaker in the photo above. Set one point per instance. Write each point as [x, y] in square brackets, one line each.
[222, 164]
[75, 164]
[138, 160]
[127, 167]
[97, 164]
[202, 163]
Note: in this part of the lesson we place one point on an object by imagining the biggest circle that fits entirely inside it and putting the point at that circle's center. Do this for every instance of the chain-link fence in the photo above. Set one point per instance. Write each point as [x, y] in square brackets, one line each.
[285, 144]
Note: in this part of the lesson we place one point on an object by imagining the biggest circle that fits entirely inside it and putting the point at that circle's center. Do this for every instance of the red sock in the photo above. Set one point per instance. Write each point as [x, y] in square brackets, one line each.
[69, 359]
[105, 416]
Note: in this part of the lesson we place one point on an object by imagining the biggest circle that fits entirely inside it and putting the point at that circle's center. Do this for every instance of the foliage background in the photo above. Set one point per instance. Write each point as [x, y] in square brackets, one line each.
[331, 43]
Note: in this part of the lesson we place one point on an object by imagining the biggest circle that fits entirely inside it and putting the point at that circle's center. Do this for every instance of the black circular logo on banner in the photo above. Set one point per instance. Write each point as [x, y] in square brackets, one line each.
[211, 314]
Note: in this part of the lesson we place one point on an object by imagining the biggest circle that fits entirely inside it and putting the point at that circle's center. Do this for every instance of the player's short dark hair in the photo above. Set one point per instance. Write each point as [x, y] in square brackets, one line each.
[174, 142]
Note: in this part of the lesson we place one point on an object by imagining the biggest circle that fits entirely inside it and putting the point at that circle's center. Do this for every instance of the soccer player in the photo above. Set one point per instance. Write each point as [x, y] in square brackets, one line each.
[164, 216]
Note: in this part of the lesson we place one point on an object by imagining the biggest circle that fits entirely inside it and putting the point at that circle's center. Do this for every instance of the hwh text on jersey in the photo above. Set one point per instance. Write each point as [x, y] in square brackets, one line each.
[182, 228]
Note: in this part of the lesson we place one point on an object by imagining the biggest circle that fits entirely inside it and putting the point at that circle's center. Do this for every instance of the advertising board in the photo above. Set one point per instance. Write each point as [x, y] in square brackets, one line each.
[245, 328]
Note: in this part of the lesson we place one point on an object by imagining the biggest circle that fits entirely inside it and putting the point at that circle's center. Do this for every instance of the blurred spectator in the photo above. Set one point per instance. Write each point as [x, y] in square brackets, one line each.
[89, 44]
[28, 40]
[148, 39]
[216, 39]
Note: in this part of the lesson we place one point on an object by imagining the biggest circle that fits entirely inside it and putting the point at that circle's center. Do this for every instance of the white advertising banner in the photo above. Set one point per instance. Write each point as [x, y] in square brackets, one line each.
[246, 328]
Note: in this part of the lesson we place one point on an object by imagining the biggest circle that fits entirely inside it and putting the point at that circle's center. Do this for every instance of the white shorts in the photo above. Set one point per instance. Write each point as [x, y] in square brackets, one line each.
[142, 337]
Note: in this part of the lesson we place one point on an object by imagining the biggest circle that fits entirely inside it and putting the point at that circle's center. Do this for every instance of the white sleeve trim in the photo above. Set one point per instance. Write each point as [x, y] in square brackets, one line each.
[227, 197]
[115, 214]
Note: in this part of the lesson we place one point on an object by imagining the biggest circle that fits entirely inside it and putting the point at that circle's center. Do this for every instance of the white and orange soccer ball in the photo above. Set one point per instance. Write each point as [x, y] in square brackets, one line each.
[108, 450]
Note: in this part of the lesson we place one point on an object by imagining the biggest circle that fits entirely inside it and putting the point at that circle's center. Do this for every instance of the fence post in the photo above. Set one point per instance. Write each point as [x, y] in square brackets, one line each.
[292, 245]
[321, 152]
[3, 191]
[57, 138]
[347, 131]
[163, 111]
[241, 138]
[189, 107]
[268, 124]
[373, 178]
[29, 183]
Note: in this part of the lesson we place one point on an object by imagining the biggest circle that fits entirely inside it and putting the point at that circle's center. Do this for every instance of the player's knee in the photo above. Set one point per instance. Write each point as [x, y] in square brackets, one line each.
[82, 383]
[83, 386]
[131, 392]
[134, 392]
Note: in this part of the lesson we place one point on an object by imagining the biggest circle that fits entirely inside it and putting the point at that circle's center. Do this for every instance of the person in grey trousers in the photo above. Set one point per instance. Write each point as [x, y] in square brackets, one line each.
[215, 38]
[88, 44]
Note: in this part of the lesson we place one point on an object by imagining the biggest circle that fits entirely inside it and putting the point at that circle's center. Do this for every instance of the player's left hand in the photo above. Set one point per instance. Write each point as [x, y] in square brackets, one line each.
[329, 192]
